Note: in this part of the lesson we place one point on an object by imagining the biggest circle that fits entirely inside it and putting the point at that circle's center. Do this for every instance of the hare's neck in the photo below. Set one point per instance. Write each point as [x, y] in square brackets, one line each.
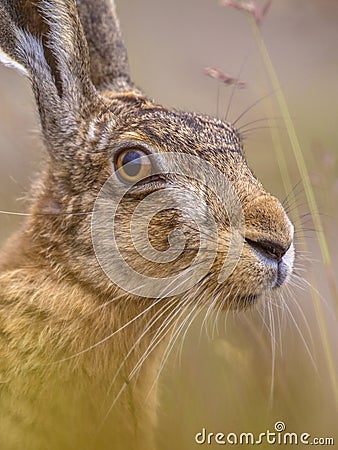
[78, 342]
[76, 325]
[75, 352]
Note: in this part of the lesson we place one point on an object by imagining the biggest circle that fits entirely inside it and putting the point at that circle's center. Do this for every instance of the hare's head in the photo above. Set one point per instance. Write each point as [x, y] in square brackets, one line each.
[137, 197]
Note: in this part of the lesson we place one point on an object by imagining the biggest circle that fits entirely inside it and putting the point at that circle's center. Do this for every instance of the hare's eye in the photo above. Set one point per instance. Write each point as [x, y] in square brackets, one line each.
[133, 165]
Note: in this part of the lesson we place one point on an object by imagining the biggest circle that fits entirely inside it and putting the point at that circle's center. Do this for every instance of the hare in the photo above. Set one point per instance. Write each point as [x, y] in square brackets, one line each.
[81, 340]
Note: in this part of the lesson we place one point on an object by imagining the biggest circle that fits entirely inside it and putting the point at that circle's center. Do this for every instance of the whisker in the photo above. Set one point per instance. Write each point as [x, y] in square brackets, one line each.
[302, 337]
[301, 312]
[157, 339]
[114, 333]
[218, 311]
[14, 213]
[235, 86]
[293, 192]
[273, 91]
[262, 119]
[153, 344]
[198, 309]
[218, 98]
[153, 320]
[273, 352]
[209, 309]
[174, 337]
[263, 127]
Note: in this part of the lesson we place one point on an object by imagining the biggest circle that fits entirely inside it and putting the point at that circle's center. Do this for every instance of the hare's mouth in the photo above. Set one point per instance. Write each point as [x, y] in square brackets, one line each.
[276, 260]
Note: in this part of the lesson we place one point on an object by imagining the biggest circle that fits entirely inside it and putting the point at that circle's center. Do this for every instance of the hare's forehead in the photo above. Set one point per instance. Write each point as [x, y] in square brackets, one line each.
[187, 125]
[166, 130]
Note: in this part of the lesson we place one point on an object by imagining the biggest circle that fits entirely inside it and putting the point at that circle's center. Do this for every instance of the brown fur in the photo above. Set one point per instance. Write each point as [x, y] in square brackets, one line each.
[56, 302]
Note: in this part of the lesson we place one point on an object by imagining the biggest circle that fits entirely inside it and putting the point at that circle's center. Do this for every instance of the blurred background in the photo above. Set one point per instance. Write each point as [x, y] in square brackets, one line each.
[234, 377]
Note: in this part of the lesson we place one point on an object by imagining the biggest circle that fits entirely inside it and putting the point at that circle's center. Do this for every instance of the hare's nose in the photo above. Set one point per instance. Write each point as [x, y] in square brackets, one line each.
[268, 228]
[269, 249]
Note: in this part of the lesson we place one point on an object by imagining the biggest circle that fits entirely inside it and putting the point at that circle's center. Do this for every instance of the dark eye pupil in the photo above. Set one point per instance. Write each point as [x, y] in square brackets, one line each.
[133, 159]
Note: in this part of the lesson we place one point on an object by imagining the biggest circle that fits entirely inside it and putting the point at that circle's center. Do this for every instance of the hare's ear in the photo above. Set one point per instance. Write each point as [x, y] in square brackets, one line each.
[45, 40]
[108, 55]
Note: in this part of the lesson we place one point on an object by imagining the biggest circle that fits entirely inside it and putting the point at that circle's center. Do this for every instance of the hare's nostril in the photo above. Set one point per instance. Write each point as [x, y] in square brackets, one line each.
[269, 249]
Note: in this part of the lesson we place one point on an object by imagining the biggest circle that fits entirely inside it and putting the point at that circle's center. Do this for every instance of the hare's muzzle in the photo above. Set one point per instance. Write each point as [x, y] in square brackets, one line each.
[269, 240]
